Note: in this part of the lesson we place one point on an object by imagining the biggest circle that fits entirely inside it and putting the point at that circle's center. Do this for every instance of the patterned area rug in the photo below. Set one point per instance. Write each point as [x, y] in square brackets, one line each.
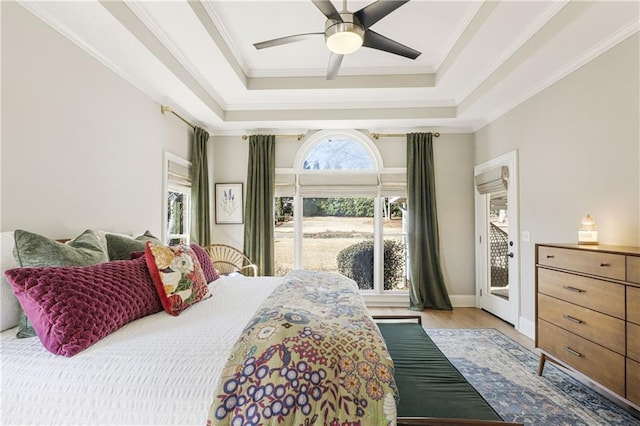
[505, 374]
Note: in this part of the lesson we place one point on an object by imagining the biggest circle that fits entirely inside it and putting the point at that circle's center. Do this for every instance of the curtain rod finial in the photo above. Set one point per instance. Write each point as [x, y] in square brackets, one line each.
[165, 108]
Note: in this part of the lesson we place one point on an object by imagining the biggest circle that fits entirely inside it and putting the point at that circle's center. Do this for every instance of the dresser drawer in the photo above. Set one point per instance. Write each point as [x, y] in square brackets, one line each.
[602, 329]
[602, 365]
[633, 269]
[594, 263]
[633, 381]
[633, 304]
[633, 341]
[601, 296]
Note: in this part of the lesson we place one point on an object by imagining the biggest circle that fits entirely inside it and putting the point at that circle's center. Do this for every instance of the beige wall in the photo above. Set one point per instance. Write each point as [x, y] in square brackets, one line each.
[81, 147]
[579, 152]
[229, 156]
[453, 155]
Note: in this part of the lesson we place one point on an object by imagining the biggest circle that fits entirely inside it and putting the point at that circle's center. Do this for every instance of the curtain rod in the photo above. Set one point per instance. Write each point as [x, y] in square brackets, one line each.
[298, 136]
[377, 136]
[166, 108]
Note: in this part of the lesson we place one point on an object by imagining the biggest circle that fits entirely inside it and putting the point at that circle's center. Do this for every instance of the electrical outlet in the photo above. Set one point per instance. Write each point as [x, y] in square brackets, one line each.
[526, 236]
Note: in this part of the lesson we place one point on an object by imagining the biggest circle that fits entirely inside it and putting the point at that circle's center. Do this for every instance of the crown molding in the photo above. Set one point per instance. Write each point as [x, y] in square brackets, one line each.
[337, 105]
[514, 47]
[343, 82]
[39, 10]
[153, 26]
[226, 37]
[582, 60]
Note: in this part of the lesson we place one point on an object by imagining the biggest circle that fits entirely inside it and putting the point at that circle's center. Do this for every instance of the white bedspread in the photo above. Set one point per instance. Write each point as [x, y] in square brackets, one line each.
[156, 370]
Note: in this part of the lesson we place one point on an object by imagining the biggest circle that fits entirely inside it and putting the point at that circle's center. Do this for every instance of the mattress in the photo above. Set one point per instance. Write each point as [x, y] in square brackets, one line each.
[156, 370]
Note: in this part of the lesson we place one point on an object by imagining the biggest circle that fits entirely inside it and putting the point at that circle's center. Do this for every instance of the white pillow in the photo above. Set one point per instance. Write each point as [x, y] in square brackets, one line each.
[9, 307]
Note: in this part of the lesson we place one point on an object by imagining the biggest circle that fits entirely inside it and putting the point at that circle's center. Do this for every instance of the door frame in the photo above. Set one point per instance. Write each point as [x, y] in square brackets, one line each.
[509, 159]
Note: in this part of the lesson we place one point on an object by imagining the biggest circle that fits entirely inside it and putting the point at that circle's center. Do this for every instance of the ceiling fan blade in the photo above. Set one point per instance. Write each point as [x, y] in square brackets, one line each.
[284, 40]
[328, 9]
[374, 12]
[377, 41]
[335, 60]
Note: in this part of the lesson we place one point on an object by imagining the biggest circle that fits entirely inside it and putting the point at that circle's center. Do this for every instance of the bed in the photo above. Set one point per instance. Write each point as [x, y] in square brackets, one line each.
[158, 369]
[156, 339]
[300, 349]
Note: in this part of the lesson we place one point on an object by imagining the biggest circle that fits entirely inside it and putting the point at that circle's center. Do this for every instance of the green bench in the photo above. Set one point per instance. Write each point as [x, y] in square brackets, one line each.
[432, 391]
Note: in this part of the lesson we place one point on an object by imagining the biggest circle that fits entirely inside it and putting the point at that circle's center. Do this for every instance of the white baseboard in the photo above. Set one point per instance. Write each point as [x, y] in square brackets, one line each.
[386, 301]
[402, 300]
[463, 301]
[527, 327]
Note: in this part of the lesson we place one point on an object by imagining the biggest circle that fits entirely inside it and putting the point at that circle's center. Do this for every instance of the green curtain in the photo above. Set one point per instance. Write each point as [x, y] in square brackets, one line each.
[258, 213]
[200, 220]
[427, 286]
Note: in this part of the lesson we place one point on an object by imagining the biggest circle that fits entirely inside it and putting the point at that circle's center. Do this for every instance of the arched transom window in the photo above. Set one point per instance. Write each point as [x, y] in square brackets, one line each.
[338, 153]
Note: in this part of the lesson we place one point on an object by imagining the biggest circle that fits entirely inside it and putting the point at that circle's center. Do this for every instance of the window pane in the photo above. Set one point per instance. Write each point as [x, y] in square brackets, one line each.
[338, 154]
[284, 235]
[338, 237]
[177, 217]
[395, 244]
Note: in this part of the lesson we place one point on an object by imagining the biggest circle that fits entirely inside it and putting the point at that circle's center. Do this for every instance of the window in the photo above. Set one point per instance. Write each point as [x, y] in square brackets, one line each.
[177, 187]
[339, 210]
[338, 153]
[337, 236]
[283, 235]
[177, 217]
[394, 235]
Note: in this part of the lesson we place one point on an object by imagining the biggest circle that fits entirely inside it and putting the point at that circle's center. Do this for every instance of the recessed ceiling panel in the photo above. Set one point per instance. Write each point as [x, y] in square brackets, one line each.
[427, 26]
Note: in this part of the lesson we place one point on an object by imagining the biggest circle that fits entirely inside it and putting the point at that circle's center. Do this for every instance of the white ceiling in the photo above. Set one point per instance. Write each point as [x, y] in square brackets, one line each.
[479, 59]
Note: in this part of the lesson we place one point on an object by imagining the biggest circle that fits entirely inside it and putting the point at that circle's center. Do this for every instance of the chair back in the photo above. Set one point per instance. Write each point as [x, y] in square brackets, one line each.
[228, 259]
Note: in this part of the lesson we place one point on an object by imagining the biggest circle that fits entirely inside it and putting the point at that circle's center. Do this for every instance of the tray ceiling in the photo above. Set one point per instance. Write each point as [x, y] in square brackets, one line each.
[479, 59]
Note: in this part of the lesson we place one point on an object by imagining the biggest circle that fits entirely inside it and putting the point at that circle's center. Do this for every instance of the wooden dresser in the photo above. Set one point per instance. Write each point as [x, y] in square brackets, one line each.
[588, 313]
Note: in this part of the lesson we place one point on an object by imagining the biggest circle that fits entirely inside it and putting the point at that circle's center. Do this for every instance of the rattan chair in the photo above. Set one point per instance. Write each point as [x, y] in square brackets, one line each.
[228, 259]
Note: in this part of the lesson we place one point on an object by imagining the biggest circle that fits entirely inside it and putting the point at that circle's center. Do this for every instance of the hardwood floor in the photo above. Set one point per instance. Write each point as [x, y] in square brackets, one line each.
[477, 318]
[460, 318]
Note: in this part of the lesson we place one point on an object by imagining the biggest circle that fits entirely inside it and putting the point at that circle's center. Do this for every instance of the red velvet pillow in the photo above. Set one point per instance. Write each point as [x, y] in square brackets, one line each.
[177, 275]
[209, 271]
[73, 307]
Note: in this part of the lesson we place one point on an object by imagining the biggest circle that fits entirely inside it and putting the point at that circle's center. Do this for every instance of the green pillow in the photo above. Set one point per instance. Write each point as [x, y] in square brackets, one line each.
[34, 251]
[120, 247]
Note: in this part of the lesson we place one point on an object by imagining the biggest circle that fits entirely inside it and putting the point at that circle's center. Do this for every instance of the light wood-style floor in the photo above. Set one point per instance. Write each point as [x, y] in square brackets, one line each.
[460, 318]
[477, 318]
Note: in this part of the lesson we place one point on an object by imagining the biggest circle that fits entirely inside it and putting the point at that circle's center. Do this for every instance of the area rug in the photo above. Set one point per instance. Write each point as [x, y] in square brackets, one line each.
[505, 374]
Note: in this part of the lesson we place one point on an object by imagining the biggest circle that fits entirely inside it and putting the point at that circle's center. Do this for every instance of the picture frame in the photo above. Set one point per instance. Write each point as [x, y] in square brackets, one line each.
[229, 203]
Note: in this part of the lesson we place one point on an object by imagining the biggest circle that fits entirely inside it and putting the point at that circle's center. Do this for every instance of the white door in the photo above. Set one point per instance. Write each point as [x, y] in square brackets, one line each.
[497, 243]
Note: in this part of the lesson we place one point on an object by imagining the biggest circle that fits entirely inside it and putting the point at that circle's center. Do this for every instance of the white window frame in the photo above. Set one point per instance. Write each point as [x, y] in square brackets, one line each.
[167, 186]
[376, 296]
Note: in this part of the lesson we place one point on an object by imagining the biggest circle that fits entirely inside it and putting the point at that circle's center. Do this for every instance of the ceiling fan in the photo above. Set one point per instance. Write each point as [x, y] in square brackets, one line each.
[345, 32]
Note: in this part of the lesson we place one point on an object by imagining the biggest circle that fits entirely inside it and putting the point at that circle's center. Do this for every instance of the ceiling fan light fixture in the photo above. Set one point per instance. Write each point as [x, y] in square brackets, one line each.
[344, 37]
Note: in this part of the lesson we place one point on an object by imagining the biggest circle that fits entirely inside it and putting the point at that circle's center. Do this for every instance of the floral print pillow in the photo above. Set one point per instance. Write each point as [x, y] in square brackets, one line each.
[177, 275]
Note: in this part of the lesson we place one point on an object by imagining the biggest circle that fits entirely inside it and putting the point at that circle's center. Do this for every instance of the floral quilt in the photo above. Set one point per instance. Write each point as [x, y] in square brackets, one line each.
[311, 355]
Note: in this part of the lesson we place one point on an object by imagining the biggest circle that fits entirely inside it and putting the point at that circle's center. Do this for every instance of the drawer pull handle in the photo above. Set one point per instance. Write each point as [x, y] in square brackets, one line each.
[572, 352]
[605, 265]
[572, 319]
[550, 256]
[575, 290]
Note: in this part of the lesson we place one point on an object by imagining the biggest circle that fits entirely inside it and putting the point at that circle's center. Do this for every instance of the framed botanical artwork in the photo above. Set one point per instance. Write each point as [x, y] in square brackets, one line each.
[229, 203]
